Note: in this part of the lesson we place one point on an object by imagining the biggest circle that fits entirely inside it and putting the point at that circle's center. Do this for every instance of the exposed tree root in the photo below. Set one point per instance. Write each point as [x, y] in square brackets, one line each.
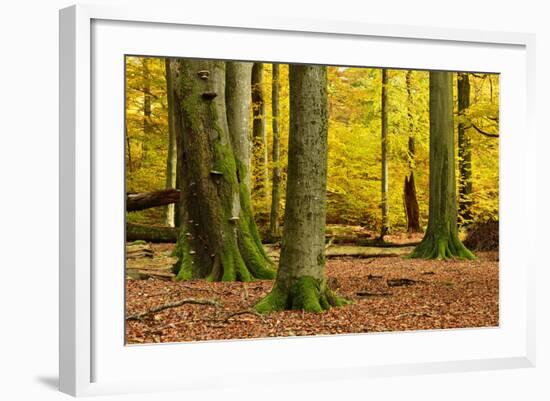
[306, 294]
[441, 247]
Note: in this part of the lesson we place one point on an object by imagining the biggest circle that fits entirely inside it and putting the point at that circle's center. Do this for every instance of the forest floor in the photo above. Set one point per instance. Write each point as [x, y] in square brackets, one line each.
[389, 293]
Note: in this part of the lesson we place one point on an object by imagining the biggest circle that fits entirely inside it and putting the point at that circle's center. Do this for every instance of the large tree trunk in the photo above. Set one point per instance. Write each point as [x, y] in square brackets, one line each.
[441, 239]
[412, 211]
[259, 135]
[146, 200]
[218, 238]
[464, 152]
[172, 157]
[384, 139]
[301, 282]
[276, 181]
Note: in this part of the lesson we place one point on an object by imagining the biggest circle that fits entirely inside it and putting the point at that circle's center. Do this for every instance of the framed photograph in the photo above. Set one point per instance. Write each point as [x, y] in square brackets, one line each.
[279, 199]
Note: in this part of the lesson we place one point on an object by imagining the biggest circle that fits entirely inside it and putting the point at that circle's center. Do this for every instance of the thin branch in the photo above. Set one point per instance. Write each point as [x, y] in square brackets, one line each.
[243, 312]
[488, 134]
[139, 316]
[482, 76]
[144, 91]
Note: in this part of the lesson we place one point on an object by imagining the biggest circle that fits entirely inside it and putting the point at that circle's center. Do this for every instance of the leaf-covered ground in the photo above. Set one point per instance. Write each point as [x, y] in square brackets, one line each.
[388, 293]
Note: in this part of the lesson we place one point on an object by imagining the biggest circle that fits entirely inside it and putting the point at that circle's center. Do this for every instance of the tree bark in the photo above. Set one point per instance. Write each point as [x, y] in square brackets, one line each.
[147, 200]
[218, 238]
[464, 152]
[237, 98]
[412, 211]
[172, 157]
[441, 238]
[259, 136]
[384, 145]
[276, 181]
[146, 104]
[301, 282]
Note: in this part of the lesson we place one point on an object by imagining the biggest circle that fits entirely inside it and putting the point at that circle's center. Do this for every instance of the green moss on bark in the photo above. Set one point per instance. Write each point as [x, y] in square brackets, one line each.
[441, 239]
[223, 243]
[306, 293]
[185, 265]
[443, 245]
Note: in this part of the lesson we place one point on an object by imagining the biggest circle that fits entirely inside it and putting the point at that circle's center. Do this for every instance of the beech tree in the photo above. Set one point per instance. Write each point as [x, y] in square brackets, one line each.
[464, 151]
[412, 210]
[259, 135]
[218, 236]
[237, 100]
[275, 155]
[172, 157]
[441, 238]
[384, 145]
[301, 282]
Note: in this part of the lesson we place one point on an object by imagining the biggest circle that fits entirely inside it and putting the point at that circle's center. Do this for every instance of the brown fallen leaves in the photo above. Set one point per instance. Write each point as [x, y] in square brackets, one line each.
[432, 295]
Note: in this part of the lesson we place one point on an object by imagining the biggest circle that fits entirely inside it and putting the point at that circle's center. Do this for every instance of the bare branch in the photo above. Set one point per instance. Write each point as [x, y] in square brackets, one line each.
[488, 134]
[139, 316]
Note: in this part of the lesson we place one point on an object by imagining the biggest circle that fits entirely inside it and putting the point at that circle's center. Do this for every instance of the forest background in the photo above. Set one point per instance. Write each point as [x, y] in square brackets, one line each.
[354, 160]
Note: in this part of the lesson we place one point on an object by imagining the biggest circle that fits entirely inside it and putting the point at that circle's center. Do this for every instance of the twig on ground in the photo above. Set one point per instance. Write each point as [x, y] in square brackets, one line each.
[397, 282]
[373, 294]
[139, 316]
[243, 312]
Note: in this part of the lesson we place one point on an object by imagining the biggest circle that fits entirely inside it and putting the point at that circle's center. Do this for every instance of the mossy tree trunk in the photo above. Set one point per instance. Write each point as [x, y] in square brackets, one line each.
[412, 210]
[384, 151]
[441, 238]
[259, 135]
[464, 152]
[276, 180]
[300, 282]
[218, 237]
[237, 99]
[172, 157]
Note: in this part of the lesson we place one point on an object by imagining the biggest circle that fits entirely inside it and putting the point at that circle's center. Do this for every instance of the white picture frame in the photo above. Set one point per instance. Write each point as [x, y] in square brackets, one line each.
[92, 38]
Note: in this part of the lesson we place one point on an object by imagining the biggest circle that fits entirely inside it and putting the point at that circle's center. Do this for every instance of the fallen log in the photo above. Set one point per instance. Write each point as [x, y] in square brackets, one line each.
[364, 240]
[365, 252]
[146, 200]
[144, 274]
[383, 244]
[156, 234]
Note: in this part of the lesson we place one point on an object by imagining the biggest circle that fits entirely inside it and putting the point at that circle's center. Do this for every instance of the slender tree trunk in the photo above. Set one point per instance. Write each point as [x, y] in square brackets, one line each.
[128, 149]
[412, 211]
[301, 282]
[146, 104]
[218, 237]
[441, 238]
[275, 188]
[259, 136]
[384, 137]
[464, 152]
[172, 158]
[237, 100]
